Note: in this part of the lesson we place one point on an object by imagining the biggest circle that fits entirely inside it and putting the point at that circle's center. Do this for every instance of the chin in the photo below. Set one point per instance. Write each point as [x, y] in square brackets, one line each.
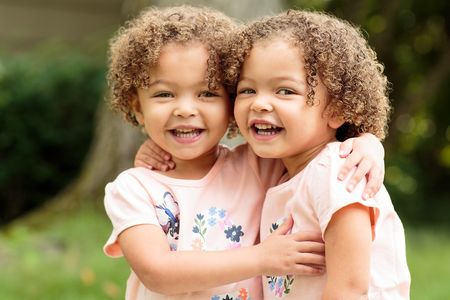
[264, 152]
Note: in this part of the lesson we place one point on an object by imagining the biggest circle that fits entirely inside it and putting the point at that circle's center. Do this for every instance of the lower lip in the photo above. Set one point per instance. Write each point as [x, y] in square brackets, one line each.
[187, 140]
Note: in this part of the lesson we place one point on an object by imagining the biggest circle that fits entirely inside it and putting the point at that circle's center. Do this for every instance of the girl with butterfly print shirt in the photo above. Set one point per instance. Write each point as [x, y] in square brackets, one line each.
[213, 199]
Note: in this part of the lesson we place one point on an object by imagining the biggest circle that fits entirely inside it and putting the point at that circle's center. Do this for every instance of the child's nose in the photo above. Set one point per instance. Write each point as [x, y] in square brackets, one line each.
[186, 107]
[261, 103]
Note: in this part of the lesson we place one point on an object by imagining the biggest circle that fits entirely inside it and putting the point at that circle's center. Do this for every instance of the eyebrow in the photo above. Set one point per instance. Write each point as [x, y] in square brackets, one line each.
[279, 78]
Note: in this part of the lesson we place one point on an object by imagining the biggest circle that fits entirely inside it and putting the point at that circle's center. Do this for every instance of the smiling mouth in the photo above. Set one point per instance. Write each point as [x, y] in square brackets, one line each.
[266, 129]
[186, 133]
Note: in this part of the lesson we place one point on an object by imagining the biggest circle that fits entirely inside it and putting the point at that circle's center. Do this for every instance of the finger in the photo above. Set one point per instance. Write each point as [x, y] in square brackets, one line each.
[157, 151]
[346, 147]
[308, 270]
[310, 259]
[312, 236]
[350, 162]
[285, 227]
[311, 247]
[362, 169]
[374, 183]
[152, 162]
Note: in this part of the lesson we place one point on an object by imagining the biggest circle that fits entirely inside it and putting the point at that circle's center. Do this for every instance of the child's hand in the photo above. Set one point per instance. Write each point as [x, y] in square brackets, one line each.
[301, 253]
[366, 153]
[152, 156]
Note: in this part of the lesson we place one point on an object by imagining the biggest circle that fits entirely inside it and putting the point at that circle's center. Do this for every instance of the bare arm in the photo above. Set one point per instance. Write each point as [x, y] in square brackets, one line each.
[348, 238]
[367, 154]
[172, 272]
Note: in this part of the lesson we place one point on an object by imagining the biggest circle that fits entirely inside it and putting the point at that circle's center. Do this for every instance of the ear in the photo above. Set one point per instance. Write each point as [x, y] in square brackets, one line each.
[335, 122]
[136, 106]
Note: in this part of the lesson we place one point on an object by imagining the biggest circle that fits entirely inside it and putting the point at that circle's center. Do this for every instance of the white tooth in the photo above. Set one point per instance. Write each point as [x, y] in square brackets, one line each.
[265, 126]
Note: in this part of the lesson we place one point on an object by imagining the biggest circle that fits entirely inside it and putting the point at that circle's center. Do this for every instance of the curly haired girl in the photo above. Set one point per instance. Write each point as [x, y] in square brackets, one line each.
[165, 75]
[304, 80]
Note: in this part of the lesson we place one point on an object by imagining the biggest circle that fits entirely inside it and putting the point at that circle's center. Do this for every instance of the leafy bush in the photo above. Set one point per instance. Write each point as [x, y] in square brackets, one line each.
[47, 106]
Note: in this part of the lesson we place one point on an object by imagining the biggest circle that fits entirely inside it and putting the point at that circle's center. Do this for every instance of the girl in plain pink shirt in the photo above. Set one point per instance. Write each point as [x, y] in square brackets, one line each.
[327, 84]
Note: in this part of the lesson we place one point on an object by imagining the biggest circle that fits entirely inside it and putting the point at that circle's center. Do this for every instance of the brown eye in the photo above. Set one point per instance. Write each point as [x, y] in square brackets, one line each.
[208, 94]
[163, 95]
[246, 91]
[285, 91]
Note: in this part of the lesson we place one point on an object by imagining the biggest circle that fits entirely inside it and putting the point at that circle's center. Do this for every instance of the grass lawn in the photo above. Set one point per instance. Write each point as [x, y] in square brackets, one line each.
[64, 260]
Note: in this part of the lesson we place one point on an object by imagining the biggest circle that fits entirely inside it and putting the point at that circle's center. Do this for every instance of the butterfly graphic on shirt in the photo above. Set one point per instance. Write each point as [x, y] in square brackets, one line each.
[168, 213]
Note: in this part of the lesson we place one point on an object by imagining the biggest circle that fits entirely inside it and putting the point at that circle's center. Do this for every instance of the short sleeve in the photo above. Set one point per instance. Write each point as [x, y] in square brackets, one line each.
[328, 194]
[127, 204]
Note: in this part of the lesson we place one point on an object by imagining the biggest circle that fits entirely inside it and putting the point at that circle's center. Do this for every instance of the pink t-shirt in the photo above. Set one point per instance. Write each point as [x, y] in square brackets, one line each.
[312, 197]
[220, 211]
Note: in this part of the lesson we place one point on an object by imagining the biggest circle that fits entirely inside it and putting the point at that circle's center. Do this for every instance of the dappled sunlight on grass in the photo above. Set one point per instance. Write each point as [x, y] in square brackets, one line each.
[62, 261]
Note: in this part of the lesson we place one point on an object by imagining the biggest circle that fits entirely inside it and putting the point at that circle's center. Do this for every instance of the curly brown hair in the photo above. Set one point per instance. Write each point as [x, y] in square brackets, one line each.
[334, 51]
[137, 45]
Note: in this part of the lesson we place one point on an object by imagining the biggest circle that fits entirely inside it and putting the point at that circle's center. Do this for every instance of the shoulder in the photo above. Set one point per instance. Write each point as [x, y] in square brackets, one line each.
[131, 183]
[326, 163]
[132, 175]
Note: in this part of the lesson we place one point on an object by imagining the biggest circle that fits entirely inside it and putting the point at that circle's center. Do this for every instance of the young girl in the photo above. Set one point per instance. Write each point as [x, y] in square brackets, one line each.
[327, 84]
[165, 74]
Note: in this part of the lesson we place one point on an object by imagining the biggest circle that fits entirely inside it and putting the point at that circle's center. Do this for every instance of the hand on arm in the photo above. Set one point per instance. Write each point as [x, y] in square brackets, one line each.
[171, 272]
[151, 156]
[366, 153]
[300, 253]
[348, 239]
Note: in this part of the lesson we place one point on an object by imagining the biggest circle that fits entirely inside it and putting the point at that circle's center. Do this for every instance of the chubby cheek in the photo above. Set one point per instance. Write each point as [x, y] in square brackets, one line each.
[240, 115]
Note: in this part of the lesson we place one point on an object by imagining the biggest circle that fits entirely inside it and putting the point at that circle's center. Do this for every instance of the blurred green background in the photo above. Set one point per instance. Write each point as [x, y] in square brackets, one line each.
[52, 89]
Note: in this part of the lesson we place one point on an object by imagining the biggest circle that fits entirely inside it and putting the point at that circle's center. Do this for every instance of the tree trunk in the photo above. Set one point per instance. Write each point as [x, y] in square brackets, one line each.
[115, 142]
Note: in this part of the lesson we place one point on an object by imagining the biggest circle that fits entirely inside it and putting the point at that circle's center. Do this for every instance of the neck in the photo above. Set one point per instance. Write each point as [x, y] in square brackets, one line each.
[196, 168]
[296, 163]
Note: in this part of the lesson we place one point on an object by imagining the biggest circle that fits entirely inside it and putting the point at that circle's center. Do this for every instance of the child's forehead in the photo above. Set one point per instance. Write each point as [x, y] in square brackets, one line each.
[179, 46]
[281, 42]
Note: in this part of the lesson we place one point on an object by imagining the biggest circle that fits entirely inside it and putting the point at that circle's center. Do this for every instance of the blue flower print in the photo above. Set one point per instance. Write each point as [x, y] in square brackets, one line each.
[212, 221]
[200, 226]
[215, 298]
[212, 211]
[234, 233]
[222, 213]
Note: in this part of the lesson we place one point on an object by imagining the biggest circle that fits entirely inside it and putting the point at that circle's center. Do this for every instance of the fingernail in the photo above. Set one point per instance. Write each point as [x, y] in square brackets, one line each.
[350, 187]
[341, 176]
[166, 157]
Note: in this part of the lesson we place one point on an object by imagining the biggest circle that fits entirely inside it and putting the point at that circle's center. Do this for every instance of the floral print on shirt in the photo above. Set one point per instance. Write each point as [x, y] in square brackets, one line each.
[217, 222]
[242, 294]
[279, 285]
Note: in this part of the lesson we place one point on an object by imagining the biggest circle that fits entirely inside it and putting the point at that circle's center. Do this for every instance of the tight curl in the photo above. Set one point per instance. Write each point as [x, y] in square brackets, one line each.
[334, 51]
[137, 45]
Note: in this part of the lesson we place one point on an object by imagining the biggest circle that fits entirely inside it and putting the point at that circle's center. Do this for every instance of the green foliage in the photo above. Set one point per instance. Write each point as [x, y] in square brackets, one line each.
[47, 106]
